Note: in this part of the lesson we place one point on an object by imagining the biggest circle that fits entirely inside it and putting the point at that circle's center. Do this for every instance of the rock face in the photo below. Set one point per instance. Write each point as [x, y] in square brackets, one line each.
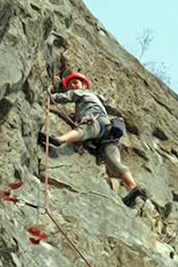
[105, 231]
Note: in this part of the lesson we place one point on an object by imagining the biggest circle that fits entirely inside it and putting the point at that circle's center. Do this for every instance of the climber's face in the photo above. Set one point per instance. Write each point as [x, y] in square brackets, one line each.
[76, 84]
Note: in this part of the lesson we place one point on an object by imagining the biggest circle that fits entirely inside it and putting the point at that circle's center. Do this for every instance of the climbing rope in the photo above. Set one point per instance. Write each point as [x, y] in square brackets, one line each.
[63, 114]
[47, 208]
[47, 153]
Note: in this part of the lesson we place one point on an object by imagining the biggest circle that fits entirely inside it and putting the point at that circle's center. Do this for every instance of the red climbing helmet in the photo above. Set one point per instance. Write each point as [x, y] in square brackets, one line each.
[65, 81]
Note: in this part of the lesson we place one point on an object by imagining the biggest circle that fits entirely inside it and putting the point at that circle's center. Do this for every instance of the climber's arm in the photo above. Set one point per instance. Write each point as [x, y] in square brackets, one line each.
[64, 98]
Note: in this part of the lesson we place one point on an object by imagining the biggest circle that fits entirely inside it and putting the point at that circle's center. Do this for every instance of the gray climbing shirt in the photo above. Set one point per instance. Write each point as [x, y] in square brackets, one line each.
[85, 102]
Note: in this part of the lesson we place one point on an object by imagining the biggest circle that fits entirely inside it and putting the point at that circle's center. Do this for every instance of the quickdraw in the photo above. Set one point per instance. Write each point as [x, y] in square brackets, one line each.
[35, 230]
[18, 183]
[8, 197]
[38, 235]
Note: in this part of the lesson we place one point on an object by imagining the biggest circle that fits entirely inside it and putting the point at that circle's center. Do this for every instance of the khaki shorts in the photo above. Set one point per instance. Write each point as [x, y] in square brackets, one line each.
[90, 126]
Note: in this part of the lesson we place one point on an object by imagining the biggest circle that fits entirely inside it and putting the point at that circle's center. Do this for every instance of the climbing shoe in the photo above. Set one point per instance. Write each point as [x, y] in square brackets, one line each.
[52, 140]
[129, 199]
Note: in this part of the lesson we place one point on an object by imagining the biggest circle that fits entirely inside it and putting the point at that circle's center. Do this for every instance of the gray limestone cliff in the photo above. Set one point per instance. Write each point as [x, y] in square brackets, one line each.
[103, 229]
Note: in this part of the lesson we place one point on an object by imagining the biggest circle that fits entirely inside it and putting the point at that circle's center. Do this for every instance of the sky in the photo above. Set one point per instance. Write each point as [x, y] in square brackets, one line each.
[126, 19]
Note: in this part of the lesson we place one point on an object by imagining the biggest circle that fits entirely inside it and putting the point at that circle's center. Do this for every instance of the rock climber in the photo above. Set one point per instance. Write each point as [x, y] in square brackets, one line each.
[93, 124]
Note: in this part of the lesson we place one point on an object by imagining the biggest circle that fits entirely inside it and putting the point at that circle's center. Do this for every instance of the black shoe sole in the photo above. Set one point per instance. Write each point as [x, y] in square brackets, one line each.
[129, 200]
[52, 140]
